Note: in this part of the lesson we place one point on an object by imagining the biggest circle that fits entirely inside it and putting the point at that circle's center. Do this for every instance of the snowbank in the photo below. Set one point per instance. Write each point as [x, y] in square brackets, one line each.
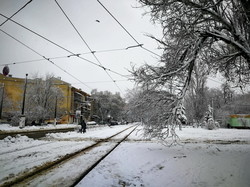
[201, 135]
[9, 128]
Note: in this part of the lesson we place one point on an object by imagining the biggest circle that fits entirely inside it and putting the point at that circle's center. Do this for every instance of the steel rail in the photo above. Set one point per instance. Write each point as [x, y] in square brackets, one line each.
[37, 170]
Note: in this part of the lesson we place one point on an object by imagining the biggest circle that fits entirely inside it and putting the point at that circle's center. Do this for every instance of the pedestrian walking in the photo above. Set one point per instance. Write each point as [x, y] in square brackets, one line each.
[83, 125]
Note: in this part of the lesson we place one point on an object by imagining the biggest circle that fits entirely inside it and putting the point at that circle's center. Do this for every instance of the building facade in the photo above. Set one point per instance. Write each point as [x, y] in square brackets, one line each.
[12, 92]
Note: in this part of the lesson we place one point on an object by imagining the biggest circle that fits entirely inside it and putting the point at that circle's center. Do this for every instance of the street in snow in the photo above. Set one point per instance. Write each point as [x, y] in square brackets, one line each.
[202, 158]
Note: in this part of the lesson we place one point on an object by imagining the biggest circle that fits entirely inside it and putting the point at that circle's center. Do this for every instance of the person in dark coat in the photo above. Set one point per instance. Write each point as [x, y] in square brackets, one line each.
[83, 125]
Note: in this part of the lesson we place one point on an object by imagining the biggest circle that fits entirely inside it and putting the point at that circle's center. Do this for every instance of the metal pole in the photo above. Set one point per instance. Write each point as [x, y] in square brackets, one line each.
[213, 108]
[24, 93]
[55, 110]
[22, 118]
[1, 102]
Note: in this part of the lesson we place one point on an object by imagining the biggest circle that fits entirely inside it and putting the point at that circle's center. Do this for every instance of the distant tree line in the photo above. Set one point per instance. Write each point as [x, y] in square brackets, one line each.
[107, 106]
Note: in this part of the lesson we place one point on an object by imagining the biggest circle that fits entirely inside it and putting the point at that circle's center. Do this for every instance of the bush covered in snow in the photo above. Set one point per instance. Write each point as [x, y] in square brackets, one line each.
[17, 139]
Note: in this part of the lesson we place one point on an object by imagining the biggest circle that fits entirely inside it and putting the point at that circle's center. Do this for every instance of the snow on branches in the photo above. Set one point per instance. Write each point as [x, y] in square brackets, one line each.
[159, 111]
[223, 24]
[215, 33]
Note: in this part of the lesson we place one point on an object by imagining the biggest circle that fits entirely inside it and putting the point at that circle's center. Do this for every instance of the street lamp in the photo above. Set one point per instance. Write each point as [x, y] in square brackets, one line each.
[22, 117]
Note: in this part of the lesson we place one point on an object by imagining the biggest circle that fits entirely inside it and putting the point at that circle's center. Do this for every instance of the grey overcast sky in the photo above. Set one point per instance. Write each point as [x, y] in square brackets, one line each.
[98, 29]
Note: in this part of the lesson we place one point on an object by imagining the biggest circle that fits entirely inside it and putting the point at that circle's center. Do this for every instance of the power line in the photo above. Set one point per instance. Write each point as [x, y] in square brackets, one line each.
[86, 44]
[15, 13]
[45, 58]
[62, 47]
[151, 51]
[126, 29]
[22, 62]
[118, 22]
[68, 56]
[21, 43]
[67, 72]
[96, 82]
[215, 80]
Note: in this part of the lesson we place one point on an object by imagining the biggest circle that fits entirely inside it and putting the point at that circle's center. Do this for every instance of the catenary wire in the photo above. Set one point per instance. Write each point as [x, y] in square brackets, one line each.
[63, 48]
[86, 44]
[45, 58]
[118, 22]
[68, 56]
[126, 29]
[15, 13]
[134, 37]
[215, 81]
[96, 82]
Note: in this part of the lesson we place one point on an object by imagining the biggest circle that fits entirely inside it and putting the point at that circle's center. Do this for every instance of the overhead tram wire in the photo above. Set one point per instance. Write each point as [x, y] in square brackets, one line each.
[126, 29]
[68, 56]
[92, 52]
[21, 42]
[118, 22]
[22, 62]
[63, 48]
[215, 80]
[96, 82]
[49, 60]
[15, 13]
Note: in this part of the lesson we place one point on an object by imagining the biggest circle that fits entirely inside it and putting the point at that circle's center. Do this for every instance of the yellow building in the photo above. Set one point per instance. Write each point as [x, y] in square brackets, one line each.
[73, 99]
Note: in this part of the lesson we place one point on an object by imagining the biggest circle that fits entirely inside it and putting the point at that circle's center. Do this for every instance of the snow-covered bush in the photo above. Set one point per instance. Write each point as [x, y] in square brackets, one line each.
[159, 111]
[41, 98]
[15, 119]
[209, 121]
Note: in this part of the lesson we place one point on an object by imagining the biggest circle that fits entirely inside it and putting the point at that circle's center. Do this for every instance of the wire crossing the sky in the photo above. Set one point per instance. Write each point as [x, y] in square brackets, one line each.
[49, 60]
[86, 44]
[118, 22]
[16, 13]
[63, 48]
[126, 29]
[73, 55]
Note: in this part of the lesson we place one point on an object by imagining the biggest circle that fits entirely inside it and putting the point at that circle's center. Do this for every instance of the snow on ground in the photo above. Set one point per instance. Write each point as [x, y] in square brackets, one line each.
[10, 144]
[15, 161]
[197, 163]
[153, 165]
[9, 128]
[20, 153]
[203, 158]
[92, 133]
[201, 134]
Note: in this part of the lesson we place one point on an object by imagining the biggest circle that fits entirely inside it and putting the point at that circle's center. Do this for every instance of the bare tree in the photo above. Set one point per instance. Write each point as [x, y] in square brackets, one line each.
[42, 96]
[196, 97]
[159, 111]
[214, 32]
[107, 105]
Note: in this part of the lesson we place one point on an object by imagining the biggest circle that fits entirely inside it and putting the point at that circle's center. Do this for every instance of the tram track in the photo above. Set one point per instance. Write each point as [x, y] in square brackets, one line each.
[24, 178]
[98, 161]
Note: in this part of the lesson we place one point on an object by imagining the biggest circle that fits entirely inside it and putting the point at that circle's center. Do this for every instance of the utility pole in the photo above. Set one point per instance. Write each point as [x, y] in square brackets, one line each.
[55, 111]
[22, 118]
[1, 102]
[213, 108]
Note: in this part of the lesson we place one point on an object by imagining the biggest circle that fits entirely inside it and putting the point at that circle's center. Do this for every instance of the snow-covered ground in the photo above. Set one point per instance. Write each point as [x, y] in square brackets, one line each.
[203, 158]
[9, 128]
